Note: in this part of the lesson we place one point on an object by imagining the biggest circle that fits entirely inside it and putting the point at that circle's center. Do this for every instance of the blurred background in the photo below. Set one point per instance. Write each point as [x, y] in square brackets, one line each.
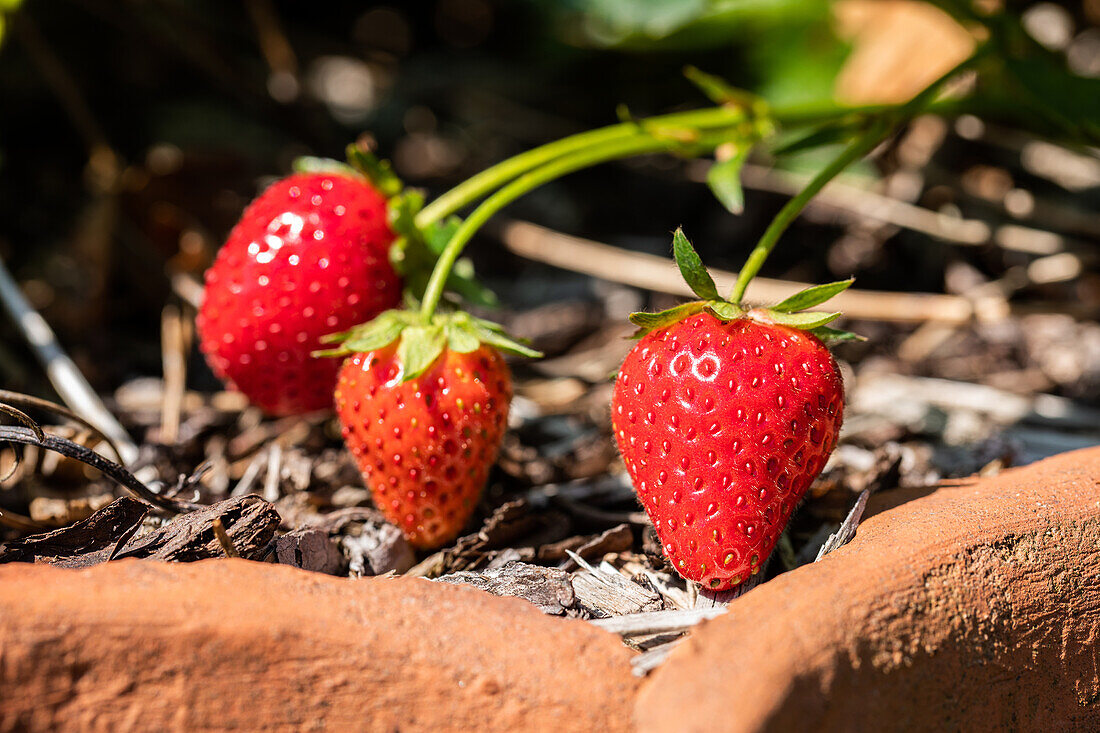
[132, 134]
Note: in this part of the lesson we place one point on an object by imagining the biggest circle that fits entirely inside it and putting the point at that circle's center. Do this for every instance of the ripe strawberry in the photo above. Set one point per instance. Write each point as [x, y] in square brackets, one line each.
[424, 417]
[308, 257]
[724, 418]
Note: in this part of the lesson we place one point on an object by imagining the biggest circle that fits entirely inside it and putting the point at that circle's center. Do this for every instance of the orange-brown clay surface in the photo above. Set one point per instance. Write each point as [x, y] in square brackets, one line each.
[974, 608]
[228, 644]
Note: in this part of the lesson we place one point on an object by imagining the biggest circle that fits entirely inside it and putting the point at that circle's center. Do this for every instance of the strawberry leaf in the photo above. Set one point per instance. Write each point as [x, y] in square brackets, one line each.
[419, 347]
[494, 335]
[378, 171]
[691, 267]
[804, 321]
[717, 89]
[810, 297]
[374, 334]
[725, 310]
[462, 337]
[830, 133]
[724, 180]
[834, 336]
[647, 322]
[414, 252]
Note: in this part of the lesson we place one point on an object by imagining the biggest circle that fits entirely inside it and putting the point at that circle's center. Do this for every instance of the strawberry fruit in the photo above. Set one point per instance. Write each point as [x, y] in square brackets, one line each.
[724, 417]
[308, 257]
[423, 405]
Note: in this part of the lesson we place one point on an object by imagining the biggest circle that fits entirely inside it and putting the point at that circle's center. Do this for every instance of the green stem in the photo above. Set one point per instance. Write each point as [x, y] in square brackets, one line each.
[793, 208]
[639, 143]
[887, 122]
[496, 176]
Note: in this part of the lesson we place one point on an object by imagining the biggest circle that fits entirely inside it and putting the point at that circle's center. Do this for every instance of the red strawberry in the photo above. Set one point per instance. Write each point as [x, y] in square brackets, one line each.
[424, 417]
[308, 257]
[724, 418]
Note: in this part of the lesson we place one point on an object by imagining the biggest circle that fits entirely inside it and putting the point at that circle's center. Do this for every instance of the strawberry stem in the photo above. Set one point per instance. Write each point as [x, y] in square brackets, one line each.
[639, 143]
[880, 129]
[492, 178]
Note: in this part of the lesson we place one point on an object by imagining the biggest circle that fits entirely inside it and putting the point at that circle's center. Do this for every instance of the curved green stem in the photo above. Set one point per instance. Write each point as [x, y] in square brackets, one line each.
[639, 143]
[474, 188]
[886, 123]
[793, 208]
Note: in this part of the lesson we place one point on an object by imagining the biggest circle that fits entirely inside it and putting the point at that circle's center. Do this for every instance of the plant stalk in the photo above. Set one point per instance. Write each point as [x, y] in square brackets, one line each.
[474, 188]
[882, 127]
[639, 143]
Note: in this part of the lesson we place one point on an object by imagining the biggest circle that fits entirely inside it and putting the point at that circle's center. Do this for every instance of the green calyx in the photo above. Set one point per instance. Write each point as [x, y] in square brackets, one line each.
[361, 163]
[790, 312]
[420, 341]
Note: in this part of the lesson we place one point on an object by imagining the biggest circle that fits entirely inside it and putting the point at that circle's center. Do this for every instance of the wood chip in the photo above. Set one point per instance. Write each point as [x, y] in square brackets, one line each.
[658, 622]
[549, 589]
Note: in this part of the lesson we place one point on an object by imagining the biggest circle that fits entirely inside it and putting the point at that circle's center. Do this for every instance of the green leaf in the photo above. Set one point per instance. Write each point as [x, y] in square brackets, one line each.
[374, 334]
[804, 321]
[414, 252]
[462, 335]
[311, 164]
[647, 322]
[717, 89]
[379, 171]
[724, 179]
[833, 335]
[725, 310]
[463, 281]
[810, 297]
[691, 267]
[494, 335]
[419, 347]
[438, 233]
[830, 133]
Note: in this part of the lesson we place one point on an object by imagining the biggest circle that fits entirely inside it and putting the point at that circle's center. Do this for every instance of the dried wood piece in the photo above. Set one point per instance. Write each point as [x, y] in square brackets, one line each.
[600, 597]
[509, 523]
[616, 539]
[650, 659]
[659, 274]
[602, 594]
[310, 548]
[550, 589]
[249, 521]
[847, 529]
[85, 543]
[658, 622]
[376, 548]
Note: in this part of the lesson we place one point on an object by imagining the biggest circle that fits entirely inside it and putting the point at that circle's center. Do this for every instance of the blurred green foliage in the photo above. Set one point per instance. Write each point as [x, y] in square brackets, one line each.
[790, 50]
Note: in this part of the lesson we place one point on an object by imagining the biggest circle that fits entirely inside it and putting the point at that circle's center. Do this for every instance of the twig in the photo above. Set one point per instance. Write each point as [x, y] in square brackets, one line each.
[223, 539]
[61, 370]
[659, 274]
[276, 49]
[18, 521]
[251, 472]
[866, 204]
[645, 662]
[271, 481]
[117, 473]
[37, 403]
[847, 529]
[657, 622]
[173, 344]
